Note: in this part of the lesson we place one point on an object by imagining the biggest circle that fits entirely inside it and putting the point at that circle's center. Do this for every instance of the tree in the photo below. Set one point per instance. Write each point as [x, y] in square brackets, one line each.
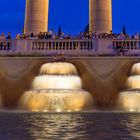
[86, 29]
[124, 30]
[59, 31]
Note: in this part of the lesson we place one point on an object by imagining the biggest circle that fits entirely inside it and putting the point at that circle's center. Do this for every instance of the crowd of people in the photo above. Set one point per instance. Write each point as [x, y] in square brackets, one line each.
[82, 35]
[60, 35]
[4, 37]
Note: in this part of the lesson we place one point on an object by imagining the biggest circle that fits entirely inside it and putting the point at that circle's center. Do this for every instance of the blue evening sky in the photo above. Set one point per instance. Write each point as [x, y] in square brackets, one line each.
[71, 15]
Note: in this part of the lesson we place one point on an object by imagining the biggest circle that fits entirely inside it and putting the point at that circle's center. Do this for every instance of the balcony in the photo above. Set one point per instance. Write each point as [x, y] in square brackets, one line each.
[68, 47]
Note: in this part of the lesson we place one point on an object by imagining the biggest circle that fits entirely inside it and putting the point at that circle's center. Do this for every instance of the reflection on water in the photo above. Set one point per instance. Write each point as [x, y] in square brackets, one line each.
[80, 126]
[63, 126]
[133, 126]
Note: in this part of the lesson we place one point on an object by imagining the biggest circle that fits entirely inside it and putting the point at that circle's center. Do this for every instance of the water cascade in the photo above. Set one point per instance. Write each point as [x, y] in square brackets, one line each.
[58, 88]
[129, 100]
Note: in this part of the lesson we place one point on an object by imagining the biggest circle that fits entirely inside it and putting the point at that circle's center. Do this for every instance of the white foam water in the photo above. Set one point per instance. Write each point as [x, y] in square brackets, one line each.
[129, 100]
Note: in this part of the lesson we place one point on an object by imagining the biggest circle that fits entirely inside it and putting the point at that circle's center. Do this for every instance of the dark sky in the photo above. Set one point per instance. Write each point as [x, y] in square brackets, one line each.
[71, 15]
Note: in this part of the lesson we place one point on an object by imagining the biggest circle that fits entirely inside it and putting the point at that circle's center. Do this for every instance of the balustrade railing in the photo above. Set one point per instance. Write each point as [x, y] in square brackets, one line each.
[5, 45]
[69, 46]
[127, 44]
[40, 45]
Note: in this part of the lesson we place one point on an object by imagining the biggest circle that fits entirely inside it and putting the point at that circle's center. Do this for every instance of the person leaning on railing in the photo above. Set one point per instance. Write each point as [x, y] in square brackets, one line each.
[2, 37]
[136, 36]
[23, 36]
[8, 44]
[82, 35]
[2, 41]
[9, 36]
[18, 36]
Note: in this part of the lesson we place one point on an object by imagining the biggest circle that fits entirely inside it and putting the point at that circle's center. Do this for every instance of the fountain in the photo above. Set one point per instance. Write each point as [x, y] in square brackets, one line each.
[129, 100]
[58, 88]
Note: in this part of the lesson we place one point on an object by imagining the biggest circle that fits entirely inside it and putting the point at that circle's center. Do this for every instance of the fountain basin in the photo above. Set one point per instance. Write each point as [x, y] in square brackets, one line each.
[129, 100]
[58, 68]
[136, 69]
[52, 100]
[57, 82]
[133, 82]
[58, 88]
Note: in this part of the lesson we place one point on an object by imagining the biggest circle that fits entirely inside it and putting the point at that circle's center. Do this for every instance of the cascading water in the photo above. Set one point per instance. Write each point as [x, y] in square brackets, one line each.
[58, 88]
[129, 100]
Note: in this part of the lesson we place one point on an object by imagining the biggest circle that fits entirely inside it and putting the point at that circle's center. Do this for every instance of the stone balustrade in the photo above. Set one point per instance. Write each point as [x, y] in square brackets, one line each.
[68, 47]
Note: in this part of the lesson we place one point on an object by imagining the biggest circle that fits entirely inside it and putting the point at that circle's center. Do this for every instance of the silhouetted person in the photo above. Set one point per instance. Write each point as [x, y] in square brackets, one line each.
[9, 36]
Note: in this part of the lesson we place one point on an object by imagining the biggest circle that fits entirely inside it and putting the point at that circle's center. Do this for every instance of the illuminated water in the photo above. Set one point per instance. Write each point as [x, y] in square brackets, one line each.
[75, 126]
[56, 100]
[57, 88]
[129, 100]
[58, 68]
[56, 82]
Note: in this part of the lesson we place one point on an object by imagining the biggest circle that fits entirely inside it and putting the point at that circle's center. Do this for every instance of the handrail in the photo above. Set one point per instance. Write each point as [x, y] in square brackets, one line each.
[73, 39]
[103, 46]
[62, 44]
[5, 45]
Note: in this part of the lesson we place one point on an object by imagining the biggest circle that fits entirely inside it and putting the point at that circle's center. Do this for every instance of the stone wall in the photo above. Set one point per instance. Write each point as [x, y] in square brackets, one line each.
[104, 78]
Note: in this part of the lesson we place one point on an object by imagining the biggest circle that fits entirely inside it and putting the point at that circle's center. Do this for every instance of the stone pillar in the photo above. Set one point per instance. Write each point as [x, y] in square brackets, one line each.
[36, 16]
[100, 16]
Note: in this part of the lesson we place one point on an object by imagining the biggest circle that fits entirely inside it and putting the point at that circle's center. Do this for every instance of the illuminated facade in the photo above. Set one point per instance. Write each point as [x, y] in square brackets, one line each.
[36, 21]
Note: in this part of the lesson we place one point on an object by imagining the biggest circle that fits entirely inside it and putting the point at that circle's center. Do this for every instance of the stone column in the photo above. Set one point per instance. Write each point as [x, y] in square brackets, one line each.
[100, 16]
[36, 16]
